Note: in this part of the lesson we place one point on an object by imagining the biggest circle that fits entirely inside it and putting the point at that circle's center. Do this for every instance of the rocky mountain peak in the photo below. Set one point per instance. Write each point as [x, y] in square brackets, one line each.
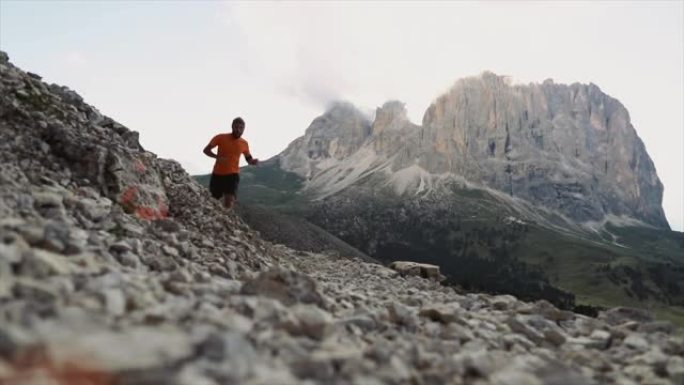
[341, 121]
[343, 110]
[391, 116]
[335, 135]
[570, 148]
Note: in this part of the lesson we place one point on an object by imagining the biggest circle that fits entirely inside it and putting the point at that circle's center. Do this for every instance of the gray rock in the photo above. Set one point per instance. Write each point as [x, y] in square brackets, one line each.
[6, 279]
[517, 341]
[643, 374]
[167, 225]
[402, 315]
[504, 302]
[558, 373]
[233, 351]
[56, 238]
[308, 320]
[555, 336]
[191, 375]
[33, 290]
[601, 337]
[129, 259]
[588, 358]
[8, 345]
[586, 343]
[114, 301]
[675, 369]
[50, 205]
[12, 247]
[657, 326]
[618, 315]
[418, 269]
[551, 312]
[636, 341]
[94, 209]
[363, 322]
[444, 313]
[314, 368]
[517, 324]
[133, 349]
[39, 263]
[287, 286]
[674, 345]
[514, 377]
[654, 357]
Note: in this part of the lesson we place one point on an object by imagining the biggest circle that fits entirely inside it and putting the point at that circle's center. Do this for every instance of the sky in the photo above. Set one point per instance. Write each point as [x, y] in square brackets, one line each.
[179, 71]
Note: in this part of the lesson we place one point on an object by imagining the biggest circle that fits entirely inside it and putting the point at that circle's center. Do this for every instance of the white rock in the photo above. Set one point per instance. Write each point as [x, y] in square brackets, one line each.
[309, 320]
[601, 337]
[115, 301]
[191, 375]
[444, 313]
[514, 377]
[636, 341]
[133, 349]
[42, 263]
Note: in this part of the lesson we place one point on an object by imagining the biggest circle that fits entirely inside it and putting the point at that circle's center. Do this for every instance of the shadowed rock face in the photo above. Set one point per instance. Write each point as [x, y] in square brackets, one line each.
[569, 148]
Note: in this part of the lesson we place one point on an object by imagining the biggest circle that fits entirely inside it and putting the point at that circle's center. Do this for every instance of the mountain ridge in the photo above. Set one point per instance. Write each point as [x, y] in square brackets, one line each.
[588, 166]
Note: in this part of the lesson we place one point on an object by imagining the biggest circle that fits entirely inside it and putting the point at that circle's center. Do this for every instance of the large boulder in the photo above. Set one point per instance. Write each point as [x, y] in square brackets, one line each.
[418, 269]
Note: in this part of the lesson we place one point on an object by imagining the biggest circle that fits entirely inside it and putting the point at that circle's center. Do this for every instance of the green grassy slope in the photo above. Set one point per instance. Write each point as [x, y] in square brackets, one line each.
[607, 274]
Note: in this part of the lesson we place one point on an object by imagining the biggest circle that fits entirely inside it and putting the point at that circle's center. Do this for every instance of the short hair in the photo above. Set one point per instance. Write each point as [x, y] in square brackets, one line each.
[238, 120]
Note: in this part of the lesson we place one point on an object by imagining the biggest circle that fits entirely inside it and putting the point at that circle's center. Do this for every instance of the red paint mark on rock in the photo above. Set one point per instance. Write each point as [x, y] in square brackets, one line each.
[149, 213]
[139, 166]
[162, 207]
[33, 367]
[130, 201]
[129, 195]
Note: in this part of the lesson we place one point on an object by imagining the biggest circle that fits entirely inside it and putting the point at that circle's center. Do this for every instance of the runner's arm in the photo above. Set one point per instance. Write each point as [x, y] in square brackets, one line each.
[250, 160]
[248, 156]
[208, 152]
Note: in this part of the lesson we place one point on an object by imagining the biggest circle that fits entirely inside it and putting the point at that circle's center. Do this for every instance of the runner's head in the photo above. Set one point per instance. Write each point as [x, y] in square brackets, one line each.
[238, 127]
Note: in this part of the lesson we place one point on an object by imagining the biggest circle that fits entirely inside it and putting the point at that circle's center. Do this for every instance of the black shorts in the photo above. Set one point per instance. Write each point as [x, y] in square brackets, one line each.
[219, 185]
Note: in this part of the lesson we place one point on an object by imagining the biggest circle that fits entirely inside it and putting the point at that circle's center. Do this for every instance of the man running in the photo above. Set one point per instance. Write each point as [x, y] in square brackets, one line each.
[226, 174]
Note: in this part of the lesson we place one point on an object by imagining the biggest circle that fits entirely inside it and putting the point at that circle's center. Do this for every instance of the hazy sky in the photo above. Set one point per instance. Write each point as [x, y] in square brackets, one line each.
[179, 71]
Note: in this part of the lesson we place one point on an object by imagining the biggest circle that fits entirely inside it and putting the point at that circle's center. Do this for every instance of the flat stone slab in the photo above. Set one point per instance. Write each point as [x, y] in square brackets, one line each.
[418, 269]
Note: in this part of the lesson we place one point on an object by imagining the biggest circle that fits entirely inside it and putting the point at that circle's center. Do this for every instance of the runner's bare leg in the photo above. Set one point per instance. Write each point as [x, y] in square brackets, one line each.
[228, 200]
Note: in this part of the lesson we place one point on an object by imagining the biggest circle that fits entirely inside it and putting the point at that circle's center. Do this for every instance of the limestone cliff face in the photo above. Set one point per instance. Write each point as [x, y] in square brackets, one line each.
[390, 117]
[570, 148]
[394, 136]
[336, 134]
[567, 148]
